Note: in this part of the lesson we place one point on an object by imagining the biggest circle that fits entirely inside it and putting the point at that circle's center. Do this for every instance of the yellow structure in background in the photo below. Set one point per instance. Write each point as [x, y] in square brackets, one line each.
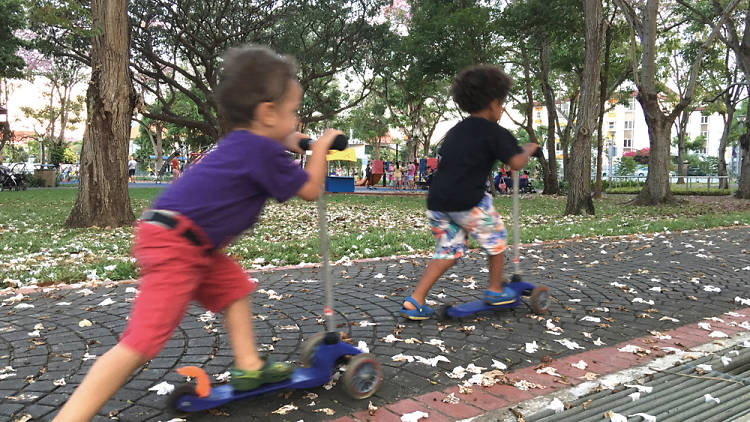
[345, 155]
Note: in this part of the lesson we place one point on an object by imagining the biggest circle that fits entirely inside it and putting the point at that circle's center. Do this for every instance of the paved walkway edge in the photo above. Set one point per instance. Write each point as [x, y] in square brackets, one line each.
[613, 366]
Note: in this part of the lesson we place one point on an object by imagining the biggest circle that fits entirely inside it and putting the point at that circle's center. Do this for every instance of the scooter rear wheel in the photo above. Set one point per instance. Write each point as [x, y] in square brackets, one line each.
[540, 299]
[363, 376]
[179, 393]
[308, 349]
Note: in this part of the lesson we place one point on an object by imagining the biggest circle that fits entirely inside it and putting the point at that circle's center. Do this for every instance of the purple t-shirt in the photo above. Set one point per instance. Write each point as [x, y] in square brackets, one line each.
[224, 192]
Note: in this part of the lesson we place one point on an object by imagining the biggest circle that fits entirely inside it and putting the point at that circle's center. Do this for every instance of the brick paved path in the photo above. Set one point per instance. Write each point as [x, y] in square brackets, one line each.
[600, 278]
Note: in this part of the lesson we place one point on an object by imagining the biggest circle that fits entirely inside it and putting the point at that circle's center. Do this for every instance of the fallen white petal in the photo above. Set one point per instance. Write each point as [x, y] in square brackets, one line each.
[556, 405]
[572, 345]
[646, 417]
[531, 347]
[414, 416]
[709, 398]
[640, 388]
[105, 302]
[580, 365]
[402, 358]
[718, 334]
[162, 389]
[363, 347]
[591, 319]
[634, 396]
[499, 365]
[283, 410]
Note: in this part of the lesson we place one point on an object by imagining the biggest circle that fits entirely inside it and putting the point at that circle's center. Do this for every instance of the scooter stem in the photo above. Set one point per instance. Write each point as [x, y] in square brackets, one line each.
[516, 230]
[325, 267]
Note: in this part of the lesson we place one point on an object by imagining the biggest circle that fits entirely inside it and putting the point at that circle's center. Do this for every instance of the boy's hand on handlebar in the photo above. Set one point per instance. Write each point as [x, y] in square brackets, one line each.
[326, 140]
[291, 142]
[531, 148]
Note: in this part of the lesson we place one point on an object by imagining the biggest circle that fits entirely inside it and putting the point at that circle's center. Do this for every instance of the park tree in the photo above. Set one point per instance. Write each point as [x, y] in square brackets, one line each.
[422, 60]
[737, 39]
[549, 38]
[616, 67]
[643, 18]
[103, 189]
[62, 110]
[579, 191]
[12, 19]
[368, 121]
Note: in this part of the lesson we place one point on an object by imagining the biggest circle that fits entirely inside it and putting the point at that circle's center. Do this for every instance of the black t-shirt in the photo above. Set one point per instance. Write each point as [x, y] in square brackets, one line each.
[466, 157]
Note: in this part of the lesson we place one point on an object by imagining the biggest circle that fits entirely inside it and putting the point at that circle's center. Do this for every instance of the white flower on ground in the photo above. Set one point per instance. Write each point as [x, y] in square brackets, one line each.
[572, 345]
[162, 389]
[580, 365]
[709, 398]
[414, 416]
[556, 405]
[531, 347]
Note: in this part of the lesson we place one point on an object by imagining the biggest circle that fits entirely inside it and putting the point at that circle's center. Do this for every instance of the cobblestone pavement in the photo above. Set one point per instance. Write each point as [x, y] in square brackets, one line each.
[625, 286]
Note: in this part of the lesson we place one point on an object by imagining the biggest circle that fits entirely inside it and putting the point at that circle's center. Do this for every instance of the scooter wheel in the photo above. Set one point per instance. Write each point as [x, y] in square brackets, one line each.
[181, 393]
[308, 349]
[442, 312]
[540, 299]
[363, 376]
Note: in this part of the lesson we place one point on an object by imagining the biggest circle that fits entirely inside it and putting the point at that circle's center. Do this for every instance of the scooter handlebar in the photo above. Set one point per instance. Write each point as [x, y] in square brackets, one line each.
[340, 143]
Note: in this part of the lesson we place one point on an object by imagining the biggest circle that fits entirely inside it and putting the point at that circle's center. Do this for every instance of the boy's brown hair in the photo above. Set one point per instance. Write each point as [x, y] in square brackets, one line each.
[251, 75]
[475, 87]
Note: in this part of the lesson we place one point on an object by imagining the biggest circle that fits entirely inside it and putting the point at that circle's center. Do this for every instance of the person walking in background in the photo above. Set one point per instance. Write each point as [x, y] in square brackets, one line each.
[131, 169]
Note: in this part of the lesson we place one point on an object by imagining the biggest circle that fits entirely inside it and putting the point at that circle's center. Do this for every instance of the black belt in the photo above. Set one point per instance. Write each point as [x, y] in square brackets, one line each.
[171, 222]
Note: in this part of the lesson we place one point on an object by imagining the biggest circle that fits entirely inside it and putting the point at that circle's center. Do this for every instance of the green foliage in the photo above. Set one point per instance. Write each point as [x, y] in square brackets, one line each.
[625, 166]
[12, 18]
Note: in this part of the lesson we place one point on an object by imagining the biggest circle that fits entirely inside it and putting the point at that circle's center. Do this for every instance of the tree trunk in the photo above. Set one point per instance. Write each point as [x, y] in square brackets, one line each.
[743, 191]
[724, 183]
[549, 167]
[681, 148]
[656, 190]
[549, 101]
[103, 191]
[579, 189]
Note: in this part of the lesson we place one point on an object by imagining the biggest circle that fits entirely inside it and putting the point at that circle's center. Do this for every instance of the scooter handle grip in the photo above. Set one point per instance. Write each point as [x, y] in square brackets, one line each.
[340, 143]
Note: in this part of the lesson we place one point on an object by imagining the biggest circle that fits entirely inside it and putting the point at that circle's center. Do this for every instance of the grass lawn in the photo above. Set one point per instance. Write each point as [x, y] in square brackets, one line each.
[36, 249]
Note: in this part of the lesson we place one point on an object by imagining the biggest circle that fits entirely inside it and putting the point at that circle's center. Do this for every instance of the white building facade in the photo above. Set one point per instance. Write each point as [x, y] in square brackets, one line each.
[625, 130]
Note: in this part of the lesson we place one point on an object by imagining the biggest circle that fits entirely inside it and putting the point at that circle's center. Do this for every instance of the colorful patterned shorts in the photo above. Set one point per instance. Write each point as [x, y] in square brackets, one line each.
[482, 222]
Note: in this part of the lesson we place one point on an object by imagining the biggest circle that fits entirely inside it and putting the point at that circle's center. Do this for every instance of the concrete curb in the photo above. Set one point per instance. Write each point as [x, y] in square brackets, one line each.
[614, 367]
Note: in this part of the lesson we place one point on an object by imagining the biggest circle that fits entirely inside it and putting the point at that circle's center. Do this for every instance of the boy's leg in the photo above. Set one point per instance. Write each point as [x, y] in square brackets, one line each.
[435, 269]
[496, 272]
[242, 336]
[227, 290]
[486, 226]
[450, 244]
[105, 377]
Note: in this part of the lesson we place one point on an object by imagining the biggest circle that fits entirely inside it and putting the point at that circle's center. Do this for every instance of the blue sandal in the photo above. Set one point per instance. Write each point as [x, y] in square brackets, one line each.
[507, 296]
[422, 311]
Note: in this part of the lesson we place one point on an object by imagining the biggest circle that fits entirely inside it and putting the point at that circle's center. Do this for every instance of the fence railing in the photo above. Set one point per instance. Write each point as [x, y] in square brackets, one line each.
[688, 182]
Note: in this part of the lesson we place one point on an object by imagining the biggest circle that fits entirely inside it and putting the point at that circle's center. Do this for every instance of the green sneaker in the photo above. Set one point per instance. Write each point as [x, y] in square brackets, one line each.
[271, 372]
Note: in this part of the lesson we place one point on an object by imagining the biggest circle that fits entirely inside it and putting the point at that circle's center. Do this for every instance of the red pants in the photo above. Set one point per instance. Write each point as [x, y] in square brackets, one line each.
[174, 272]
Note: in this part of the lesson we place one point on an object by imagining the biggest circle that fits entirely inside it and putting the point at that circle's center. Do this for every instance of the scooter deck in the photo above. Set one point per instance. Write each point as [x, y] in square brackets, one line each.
[471, 308]
[315, 376]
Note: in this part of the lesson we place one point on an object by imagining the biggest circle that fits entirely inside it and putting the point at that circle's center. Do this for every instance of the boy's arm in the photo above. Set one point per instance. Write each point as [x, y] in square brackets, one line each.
[519, 160]
[316, 165]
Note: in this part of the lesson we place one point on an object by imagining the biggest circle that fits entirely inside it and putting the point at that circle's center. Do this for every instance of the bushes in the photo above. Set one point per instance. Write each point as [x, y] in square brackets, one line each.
[677, 191]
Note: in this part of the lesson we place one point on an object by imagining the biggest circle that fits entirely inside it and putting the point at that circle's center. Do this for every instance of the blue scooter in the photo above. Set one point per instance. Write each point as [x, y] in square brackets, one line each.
[321, 354]
[539, 296]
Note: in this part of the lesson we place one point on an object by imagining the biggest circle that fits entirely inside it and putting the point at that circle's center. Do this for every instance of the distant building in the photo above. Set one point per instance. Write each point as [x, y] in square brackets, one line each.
[625, 130]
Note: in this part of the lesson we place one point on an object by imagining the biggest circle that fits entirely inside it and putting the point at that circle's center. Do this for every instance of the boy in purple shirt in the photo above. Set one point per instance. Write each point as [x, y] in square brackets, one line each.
[178, 242]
